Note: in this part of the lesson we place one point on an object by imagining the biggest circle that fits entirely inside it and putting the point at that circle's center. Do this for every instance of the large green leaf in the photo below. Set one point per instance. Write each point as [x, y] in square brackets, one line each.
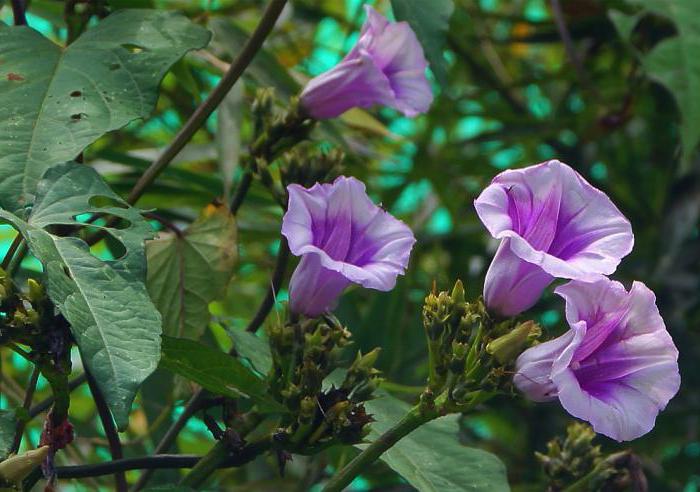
[188, 270]
[215, 371]
[431, 457]
[430, 20]
[7, 432]
[58, 101]
[675, 64]
[113, 321]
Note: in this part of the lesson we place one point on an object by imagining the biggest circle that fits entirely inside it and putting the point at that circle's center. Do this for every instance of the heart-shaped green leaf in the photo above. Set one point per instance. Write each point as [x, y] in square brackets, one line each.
[114, 322]
[187, 270]
[57, 101]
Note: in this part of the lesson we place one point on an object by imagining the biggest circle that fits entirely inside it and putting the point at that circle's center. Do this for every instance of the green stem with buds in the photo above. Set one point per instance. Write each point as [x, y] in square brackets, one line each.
[410, 422]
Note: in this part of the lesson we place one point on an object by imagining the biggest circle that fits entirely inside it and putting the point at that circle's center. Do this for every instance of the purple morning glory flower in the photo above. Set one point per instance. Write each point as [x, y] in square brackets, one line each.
[553, 224]
[386, 67]
[615, 368]
[342, 238]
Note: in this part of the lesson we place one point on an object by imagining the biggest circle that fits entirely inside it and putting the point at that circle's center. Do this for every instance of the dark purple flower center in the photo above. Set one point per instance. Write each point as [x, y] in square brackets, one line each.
[549, 224]
[344, 240]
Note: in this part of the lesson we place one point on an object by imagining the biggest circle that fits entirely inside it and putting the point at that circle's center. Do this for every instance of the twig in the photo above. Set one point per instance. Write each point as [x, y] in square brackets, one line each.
[11, 251]
[164, 222]
[153, 462]
[571, 53]
[18, 9]
[31, 387]
[202, 113]
[275, 284]
[241, 191]
[45, 404]
[115, 445]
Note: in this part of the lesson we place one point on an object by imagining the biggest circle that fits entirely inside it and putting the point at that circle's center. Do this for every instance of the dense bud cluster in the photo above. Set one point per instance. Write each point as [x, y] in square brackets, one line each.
[304, 354]
[575, 463]
[468, 349]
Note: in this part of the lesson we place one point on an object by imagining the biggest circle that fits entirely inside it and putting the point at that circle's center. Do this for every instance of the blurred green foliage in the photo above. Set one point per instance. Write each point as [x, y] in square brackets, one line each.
[514, 94]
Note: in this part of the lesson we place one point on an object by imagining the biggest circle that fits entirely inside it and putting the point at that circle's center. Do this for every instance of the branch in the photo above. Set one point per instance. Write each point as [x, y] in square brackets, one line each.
[12, 250]
[153, 462]
[115, 445]
[568, 42]
[18, 9]
[202, 113]
[241, 191]
[31, 387]
[45, 404]
[275, 284]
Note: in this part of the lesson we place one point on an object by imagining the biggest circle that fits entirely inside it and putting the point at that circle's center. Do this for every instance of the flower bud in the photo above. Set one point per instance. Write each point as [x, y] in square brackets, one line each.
[508, 347]
[36, 291]
[15, 468]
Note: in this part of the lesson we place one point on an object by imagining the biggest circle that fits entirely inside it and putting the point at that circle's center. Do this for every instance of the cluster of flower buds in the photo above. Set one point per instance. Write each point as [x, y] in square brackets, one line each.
[307, 165]
[25, 314]
[575, 463]
[304, 354]
[276, 132]
[468, 350]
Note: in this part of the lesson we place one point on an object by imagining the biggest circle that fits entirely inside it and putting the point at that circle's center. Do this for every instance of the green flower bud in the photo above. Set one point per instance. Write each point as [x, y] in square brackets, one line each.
[307, 408]
[508, 347]
[458, 293]
[36, 291]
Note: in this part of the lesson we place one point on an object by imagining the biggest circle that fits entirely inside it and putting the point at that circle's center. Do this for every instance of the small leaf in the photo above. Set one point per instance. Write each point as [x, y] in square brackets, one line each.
[251, 347]
[624, 23]
[189, 270]
[112, 319]
[58, 101]
[7, 431]
[265, 68]
[215, 371]
[430, 20]
[675, 64]
[431, 458]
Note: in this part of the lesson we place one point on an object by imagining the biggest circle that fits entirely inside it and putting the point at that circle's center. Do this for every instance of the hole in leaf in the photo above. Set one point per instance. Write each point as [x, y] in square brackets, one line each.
[117, 66]
[108, 249]
[76, 94]
[77, 116]
[101, 201]
[133, 48]
[66, 271]
[101, 220]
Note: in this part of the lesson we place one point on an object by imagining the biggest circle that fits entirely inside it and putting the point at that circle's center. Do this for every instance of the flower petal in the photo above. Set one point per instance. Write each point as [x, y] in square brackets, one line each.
[313, 289]
[513, 285]
[534, 368]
